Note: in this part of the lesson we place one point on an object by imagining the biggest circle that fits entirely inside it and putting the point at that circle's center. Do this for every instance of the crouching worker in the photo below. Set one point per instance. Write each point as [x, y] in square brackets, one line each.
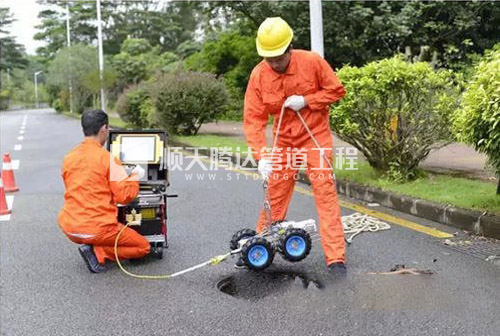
[95, 182]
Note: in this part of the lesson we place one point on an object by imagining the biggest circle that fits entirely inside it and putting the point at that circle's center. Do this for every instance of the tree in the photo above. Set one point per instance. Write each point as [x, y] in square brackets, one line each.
[52, 30]
[395, 112]
[187, 48]
[138, 61]
[162, 24]
[12, 55]
[454, 29]
[82, 70]
[359, 32]
[133, 63]
[477, 122]
[232, 56]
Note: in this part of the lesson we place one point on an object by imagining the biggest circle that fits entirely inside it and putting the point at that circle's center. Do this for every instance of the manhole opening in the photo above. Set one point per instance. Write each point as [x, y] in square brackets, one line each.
[227, 286]
[255, 285]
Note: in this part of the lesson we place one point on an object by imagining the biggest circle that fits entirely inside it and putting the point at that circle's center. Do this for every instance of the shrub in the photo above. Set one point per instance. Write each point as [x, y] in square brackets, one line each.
[477, 122]
[61, 104]
[4, 99]
[165, 59]
[58, 106]
[186, 100]
[136, 107]
[173, 67]
[395, 112]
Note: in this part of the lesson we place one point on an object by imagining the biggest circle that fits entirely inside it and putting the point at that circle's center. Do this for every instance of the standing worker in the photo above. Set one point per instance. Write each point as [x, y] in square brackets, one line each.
[95, 181]
[302, 81]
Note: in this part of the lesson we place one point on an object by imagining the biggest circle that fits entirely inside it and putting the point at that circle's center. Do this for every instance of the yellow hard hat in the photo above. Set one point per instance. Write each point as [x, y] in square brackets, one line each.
[273, 37]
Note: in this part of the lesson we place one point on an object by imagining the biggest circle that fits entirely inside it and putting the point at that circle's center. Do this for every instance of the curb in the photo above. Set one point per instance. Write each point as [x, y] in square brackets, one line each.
[477, 222]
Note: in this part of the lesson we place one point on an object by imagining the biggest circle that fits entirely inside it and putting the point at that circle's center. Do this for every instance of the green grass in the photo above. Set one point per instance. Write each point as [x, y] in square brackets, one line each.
[113, 121]
[117, 122]
[71, 115]
[212, 141]
[440, 188]
[444, 189]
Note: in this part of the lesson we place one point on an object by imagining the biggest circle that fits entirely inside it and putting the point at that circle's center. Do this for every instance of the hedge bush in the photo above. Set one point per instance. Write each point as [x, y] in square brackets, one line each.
[183, 101]
[395, 112]
[477, 121]
[136, 106]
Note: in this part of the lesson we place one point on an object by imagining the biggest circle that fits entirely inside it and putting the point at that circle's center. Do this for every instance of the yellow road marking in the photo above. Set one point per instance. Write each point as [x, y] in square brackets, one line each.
[396, 220]
[377, 214]
[381, 215]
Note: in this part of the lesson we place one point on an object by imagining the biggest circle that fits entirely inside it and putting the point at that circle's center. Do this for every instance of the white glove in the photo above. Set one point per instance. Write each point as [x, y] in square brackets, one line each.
[265, 168]
[295, 103]
[139, 171]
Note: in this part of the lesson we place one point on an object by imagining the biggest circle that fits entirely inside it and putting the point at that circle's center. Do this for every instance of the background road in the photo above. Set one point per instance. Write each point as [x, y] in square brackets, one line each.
[47, 290]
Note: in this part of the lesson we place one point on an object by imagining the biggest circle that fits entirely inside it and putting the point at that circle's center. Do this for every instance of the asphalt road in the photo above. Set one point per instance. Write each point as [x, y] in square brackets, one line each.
[47, 290]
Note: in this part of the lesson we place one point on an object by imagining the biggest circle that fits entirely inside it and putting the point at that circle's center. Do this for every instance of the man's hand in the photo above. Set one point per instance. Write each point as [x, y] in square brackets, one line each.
[265, 168]
[139, 171]
[295, 103]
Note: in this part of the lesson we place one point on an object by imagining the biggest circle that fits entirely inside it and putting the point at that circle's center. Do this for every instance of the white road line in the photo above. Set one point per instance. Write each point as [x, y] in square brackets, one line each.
[10, 203]
[18, 147]
[23, 127]
[24, 119]
[15, 164]
[20, 138]
[21, 132]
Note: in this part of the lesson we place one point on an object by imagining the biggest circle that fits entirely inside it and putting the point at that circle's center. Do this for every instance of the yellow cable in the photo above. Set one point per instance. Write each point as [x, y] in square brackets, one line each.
[213, 261]
[137, 276]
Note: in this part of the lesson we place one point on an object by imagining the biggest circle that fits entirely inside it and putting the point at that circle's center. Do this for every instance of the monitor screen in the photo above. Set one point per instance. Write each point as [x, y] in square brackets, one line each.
[137, 149]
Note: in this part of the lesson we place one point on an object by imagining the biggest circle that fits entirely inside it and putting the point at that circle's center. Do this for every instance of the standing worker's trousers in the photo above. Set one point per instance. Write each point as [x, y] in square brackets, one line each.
[281, 186]
[131, 244]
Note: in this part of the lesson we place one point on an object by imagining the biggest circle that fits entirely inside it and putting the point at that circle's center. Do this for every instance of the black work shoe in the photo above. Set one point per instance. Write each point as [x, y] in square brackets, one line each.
[88, 255]
[337, 268]
[240, 264]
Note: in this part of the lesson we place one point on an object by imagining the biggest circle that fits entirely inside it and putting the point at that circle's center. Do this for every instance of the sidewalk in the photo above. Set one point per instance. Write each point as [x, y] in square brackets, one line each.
[455, 158]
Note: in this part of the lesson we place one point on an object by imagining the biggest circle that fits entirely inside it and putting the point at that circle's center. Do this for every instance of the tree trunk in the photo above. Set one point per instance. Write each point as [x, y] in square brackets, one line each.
[498, 185]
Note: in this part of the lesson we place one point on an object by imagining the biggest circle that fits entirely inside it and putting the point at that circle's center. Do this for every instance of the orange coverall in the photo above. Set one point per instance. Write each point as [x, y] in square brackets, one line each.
[93, 187]
[308, 75]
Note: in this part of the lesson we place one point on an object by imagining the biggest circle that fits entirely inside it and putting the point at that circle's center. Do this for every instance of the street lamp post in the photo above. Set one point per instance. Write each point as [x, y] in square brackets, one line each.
[316, 18]
[36, 87]
[101, 57]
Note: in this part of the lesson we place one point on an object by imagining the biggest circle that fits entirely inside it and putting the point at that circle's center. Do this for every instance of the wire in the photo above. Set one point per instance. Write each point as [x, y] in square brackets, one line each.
[213, 261]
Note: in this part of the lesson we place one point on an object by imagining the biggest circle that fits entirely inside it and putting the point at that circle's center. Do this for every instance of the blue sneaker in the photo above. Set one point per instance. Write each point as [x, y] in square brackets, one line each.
[88, 255]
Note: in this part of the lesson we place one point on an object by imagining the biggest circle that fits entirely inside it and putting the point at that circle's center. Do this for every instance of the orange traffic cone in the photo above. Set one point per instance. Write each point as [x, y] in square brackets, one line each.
[8, 174]
[4, 209]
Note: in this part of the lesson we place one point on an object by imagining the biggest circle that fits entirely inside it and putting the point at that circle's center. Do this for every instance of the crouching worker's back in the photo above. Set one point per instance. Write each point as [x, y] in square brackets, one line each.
[95, 182]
